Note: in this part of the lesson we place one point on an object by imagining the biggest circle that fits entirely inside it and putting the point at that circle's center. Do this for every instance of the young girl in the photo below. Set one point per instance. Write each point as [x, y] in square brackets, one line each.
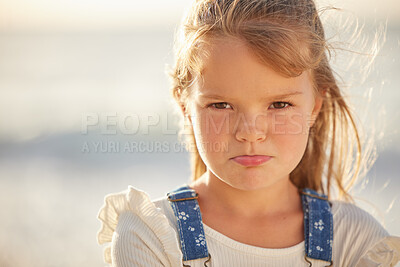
[273, 141]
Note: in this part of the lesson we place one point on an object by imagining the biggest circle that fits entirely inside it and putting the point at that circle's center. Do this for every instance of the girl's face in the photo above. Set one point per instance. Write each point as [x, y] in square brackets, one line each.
[240, 107]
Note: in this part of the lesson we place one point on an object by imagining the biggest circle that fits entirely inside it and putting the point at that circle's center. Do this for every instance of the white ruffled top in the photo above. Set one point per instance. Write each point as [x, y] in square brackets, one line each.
[141, 232]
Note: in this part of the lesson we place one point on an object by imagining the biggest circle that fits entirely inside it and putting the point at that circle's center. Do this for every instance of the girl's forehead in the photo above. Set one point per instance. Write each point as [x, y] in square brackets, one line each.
[266, 53]
[230, 65]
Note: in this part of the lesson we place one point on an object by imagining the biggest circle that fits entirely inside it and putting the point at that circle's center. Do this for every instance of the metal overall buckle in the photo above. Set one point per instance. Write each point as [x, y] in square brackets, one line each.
[310, 263]
[208, 259]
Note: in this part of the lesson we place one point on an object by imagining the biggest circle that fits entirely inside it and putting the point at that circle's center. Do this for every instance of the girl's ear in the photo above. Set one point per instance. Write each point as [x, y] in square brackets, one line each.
[185, 113]
[317, 107]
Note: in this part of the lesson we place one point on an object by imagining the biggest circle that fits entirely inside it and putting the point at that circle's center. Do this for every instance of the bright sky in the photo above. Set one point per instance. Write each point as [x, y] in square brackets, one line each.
[88, 14]
[120, 14]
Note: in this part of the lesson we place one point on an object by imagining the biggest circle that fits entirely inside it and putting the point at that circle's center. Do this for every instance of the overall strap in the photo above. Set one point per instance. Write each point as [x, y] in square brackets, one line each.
[318, 226]
[191, 233]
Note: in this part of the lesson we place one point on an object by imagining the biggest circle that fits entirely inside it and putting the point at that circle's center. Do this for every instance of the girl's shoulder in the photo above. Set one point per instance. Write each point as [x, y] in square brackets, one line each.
[348, 214]
[360, 238]
[130, 218]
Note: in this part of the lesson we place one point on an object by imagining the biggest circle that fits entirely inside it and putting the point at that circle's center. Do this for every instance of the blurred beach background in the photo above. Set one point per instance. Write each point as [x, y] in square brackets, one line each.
[85, 111]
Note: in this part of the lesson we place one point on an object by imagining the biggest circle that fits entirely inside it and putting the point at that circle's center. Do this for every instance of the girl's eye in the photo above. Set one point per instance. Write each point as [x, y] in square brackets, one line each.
[221, 105]
[281, 105]
[275, 105]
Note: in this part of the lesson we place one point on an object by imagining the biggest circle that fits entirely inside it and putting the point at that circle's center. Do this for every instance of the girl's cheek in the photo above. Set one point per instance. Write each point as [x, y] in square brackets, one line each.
[290, 135]
[291, 123]
[215, 124]
[213, 133]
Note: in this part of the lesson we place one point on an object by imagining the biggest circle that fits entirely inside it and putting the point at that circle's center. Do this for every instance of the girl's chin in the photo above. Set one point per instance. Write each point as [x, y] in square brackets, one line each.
[251, 172]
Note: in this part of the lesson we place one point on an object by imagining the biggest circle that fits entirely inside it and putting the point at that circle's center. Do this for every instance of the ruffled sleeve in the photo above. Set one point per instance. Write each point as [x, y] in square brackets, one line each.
[385, 252]
[136, 231]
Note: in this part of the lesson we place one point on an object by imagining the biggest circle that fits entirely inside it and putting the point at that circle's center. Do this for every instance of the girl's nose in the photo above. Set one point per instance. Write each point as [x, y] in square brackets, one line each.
[250, 129]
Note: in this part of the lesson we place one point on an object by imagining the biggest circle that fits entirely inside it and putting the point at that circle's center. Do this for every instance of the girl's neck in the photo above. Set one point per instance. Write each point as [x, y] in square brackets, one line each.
[278, 199]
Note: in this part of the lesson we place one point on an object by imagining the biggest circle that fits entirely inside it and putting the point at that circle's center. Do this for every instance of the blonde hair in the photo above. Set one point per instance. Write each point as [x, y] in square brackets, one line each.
[275, 30]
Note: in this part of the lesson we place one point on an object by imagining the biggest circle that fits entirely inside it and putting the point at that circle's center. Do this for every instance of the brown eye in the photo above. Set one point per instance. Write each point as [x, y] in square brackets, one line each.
[222, 105]
[281, 105]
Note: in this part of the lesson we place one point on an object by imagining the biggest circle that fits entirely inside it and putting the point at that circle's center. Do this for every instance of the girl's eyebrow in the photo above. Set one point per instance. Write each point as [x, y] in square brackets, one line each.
[213, 96]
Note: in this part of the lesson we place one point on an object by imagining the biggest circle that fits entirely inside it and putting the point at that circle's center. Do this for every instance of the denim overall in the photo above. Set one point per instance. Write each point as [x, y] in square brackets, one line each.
[318, 225]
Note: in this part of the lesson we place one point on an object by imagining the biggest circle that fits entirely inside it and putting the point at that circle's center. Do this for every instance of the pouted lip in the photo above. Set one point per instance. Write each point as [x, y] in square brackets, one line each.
[252, 156]
[251, 160]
